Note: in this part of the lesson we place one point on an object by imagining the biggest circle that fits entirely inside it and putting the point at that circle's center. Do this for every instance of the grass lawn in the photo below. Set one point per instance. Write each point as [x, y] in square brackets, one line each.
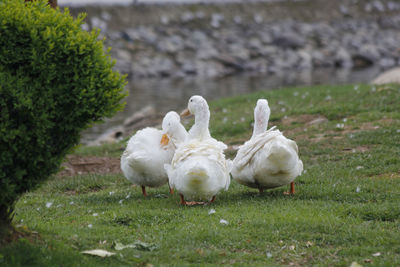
[346, 208]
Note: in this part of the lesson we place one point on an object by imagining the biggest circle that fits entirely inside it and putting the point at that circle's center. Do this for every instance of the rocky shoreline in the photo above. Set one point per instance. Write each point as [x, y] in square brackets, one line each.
[219, 40]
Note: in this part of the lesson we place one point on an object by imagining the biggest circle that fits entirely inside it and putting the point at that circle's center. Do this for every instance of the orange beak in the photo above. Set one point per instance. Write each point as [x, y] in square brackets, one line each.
[164, 140]
[185, 113]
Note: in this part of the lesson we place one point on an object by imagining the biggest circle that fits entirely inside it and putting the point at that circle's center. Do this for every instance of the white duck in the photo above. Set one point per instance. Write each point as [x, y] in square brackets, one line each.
[199, 169]
[149, 149]
[268, 159]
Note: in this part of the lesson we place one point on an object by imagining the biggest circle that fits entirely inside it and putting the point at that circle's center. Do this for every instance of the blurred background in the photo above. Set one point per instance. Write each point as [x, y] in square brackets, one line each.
[171, 50]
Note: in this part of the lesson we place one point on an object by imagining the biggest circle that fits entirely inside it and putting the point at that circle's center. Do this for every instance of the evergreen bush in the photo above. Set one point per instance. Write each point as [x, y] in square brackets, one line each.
[55, 80]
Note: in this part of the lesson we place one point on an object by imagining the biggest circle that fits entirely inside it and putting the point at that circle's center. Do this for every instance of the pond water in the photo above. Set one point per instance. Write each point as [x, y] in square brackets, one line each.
[172, 94]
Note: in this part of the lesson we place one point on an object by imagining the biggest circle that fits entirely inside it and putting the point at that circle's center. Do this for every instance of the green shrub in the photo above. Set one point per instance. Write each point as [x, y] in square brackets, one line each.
[55, 80]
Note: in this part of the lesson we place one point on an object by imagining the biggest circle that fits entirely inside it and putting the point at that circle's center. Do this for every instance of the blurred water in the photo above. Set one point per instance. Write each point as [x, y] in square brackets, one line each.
[167, 94]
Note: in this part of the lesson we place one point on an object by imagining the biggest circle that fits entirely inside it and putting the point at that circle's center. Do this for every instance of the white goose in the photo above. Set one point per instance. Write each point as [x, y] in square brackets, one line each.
[268, 159]
[149, 149]
[199, 169]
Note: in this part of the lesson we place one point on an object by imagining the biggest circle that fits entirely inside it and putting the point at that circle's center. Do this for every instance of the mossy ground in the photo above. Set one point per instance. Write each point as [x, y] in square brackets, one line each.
[346, 206]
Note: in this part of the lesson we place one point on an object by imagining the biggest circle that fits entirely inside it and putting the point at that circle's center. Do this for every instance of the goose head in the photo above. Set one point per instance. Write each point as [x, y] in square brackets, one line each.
[198, 106]
[261, 116]
[173, 129]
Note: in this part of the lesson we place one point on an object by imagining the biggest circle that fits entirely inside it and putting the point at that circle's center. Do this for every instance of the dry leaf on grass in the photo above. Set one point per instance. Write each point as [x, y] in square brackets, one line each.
[98, 252]
[139, 245]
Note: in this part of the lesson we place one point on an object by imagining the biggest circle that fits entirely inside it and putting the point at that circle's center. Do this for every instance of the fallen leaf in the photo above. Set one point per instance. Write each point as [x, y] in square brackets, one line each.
[309, 244]
[98, 252]
[200, 251]
[355, 264]
[120, 246]
[136, 245]
[145, 246]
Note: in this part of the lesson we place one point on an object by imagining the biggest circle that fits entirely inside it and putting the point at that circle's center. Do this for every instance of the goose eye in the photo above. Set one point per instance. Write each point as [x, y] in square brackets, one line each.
[191, 100]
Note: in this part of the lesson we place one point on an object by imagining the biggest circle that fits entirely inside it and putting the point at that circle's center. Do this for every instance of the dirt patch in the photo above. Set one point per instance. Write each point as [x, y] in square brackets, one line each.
[361, 149]
[312, 121]
[308, 119]
[390, 175]
[79, 165]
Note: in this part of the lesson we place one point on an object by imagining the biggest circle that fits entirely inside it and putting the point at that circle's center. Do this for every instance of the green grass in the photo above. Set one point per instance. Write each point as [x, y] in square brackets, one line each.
[346, 206]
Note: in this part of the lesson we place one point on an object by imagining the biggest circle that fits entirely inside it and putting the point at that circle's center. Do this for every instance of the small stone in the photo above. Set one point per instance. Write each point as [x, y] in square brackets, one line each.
[216, 20]
[200, 15]
[187, 16]
[390, 76]
[343, 58]
[237, 19]
[258, 18]
[85, 27]
[164, 20]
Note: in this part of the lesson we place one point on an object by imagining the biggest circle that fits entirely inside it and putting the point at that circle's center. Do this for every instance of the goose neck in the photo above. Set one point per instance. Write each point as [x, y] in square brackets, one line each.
[201, 123]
